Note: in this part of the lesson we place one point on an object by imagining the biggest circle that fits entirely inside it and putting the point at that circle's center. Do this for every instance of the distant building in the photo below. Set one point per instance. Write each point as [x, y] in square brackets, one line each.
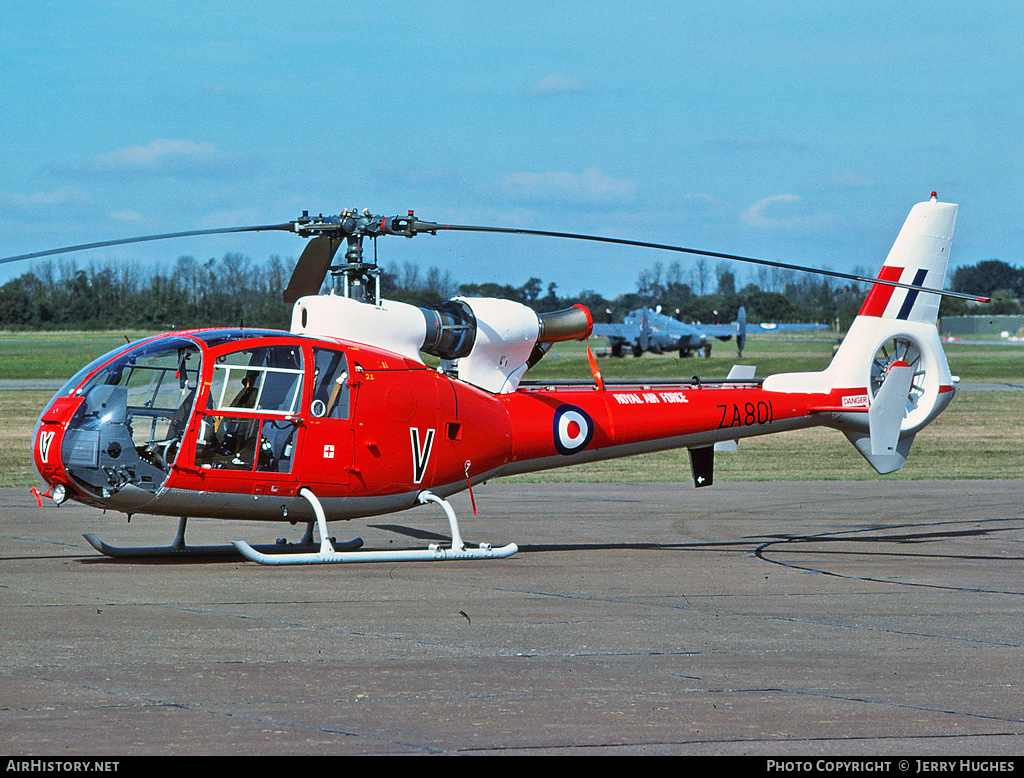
[961, 326]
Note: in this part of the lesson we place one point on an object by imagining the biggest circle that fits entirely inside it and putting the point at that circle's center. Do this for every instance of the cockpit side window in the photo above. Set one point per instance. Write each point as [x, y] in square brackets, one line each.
[330, 385]
[266, 379]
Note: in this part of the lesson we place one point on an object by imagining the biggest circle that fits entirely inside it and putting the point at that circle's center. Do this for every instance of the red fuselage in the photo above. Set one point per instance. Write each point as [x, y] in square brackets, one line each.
[231, 423]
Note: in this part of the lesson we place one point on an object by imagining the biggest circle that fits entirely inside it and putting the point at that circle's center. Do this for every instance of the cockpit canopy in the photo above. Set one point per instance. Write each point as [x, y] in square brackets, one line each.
[129, 410]
[135, 405]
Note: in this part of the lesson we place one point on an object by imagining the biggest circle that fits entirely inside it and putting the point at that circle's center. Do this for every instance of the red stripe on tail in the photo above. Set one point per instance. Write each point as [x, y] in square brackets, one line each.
[880, 294]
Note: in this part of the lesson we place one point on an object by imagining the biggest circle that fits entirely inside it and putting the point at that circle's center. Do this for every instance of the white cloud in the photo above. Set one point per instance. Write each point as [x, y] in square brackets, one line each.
[849, 181]
[65, 196]
[760, 215]
[588, 187]
[228, 94]
[160, 158]
[556, 84]
[128, 216]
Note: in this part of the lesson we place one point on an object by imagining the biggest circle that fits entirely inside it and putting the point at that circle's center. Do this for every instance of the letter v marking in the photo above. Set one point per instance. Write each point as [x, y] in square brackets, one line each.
[420, 454]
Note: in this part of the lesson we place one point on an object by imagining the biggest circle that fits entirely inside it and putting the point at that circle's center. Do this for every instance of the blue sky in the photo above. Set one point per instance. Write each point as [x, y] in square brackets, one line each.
[801, 132]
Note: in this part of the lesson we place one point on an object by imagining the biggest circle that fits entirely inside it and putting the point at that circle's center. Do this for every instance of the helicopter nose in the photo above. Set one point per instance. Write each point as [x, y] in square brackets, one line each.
[47, 442]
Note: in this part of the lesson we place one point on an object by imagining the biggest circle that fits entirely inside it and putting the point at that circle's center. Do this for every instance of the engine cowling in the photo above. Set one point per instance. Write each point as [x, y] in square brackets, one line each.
[490, 342]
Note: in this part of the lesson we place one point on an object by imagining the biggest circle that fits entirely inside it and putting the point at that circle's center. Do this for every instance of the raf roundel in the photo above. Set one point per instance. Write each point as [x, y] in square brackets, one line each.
[573, 429]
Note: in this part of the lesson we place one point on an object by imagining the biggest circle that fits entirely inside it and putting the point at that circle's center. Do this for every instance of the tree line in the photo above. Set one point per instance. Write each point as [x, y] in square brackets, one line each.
[235, 290]
[993, 278]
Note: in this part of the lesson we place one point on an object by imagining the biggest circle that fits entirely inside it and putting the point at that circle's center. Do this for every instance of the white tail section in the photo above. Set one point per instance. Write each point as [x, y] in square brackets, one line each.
[895, 326]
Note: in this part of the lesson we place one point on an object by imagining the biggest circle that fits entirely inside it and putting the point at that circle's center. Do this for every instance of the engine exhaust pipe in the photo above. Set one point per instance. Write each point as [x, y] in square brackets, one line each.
[574, 323]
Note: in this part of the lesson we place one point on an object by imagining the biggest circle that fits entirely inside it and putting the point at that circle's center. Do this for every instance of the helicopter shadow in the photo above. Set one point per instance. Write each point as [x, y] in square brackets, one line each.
[419, 534]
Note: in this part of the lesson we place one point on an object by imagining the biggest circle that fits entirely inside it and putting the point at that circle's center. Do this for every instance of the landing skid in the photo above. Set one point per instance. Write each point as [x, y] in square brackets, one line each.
[329, 554]
[179, 550]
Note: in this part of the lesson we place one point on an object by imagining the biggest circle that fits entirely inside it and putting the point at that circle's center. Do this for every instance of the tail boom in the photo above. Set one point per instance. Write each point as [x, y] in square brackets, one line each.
[888, 379]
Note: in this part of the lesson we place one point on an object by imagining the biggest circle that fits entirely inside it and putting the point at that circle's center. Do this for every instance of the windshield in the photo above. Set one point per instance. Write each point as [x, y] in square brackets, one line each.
[135, 409]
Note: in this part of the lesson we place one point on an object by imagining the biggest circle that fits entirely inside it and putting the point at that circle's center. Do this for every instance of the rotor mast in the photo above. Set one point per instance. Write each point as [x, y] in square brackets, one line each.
[354, 276]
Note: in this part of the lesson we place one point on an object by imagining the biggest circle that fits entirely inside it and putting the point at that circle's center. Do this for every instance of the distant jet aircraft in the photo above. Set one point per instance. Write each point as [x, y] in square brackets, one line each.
[650, 330]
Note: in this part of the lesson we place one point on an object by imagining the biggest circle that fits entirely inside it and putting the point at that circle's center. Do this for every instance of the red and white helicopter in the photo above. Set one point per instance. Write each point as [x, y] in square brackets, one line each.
[341, 417]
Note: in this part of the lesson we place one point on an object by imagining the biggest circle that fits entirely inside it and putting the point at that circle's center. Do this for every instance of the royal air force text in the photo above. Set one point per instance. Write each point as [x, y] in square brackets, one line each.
[745, 414]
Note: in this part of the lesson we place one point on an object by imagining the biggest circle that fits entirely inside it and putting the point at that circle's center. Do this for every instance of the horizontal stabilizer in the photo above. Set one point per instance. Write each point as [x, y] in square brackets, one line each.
[736, 373]
[742, 372]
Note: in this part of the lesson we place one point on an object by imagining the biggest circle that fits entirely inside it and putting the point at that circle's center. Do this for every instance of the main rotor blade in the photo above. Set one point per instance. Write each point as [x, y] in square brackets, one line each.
[431, 227]
[311, 269]
[349, 225]
[145, 238]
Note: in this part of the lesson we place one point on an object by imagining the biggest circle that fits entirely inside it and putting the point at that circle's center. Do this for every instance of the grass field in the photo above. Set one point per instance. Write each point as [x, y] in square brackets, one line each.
[979, 435]
[54, 355]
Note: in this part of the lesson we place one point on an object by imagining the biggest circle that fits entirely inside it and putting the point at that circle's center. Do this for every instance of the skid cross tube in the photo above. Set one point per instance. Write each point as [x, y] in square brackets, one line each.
[327, 555]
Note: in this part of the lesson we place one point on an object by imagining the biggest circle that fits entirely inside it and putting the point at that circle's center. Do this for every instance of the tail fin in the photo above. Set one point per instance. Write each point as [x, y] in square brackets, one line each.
[919, 256]
[891, 360]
